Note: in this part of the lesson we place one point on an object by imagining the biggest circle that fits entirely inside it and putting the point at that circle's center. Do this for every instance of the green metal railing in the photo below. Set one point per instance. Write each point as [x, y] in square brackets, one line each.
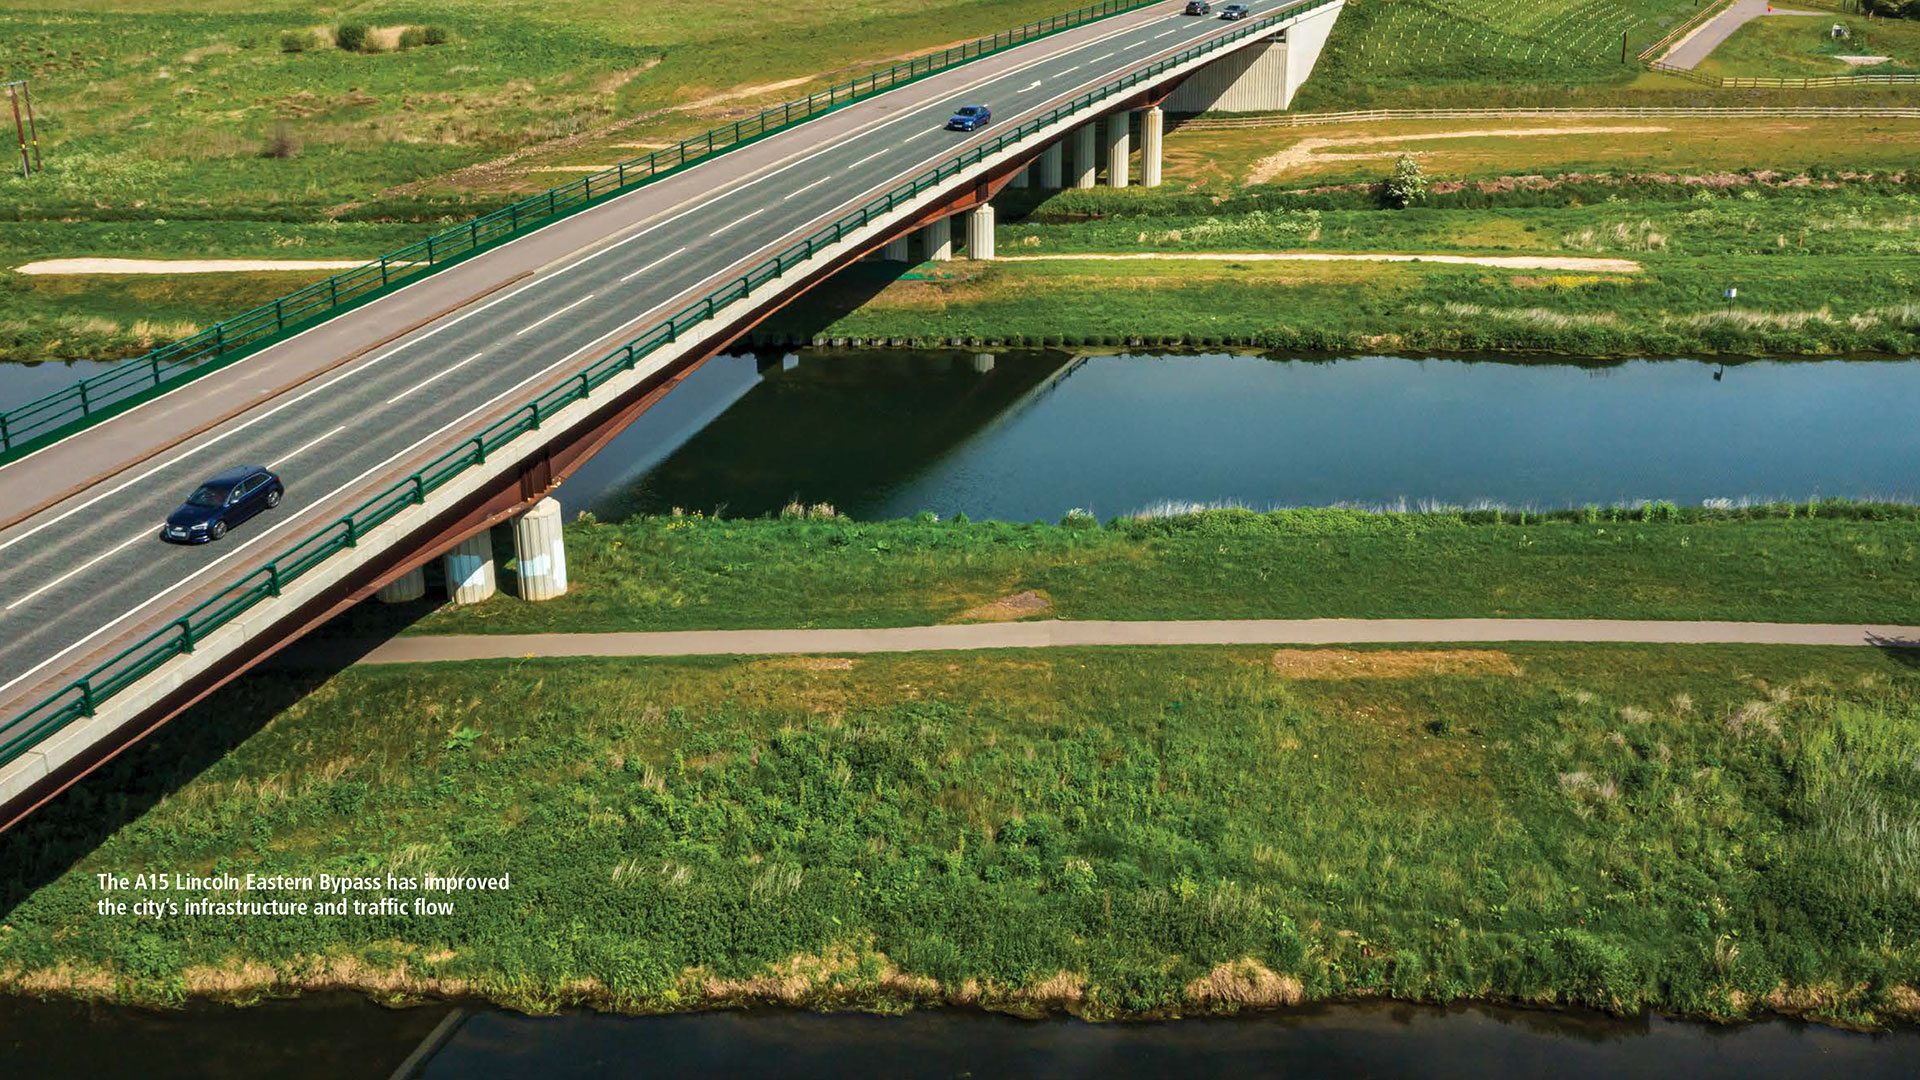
[179, 637]
[46, 419]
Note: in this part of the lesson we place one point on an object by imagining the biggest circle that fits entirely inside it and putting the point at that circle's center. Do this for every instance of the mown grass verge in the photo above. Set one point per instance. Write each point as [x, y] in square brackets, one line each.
[1131, 832]
[1843, 563]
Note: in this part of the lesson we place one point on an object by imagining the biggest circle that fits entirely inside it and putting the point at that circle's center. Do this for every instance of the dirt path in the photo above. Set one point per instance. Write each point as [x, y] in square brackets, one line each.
[1054, 633]
[183, 266]
[1505, 262]
[1305, 151]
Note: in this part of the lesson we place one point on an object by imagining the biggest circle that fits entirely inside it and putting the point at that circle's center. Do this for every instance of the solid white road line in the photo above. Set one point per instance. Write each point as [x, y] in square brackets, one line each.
[549, 318]
[310, 445]
[651, 265]
[1175, 30]
[83, 566]
[738, 220]
[270, 533]
[876, 125]
[435, 375]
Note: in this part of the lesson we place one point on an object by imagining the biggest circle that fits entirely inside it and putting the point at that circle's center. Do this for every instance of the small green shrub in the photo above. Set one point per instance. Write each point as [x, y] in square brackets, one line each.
[433, 35]
[297, 41]
[413, 37]
[352, 37]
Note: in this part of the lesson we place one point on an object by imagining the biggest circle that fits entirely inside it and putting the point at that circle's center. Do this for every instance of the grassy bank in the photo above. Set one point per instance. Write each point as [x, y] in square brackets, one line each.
[1819, 271]
[700, 573]
[1716, 831]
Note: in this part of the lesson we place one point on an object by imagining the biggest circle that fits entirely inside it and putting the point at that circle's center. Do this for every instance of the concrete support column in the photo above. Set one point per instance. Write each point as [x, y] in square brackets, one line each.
[411, 585]
[1083, 148]
[982, 362]
[980, 232]
[1021, 178]
[470, 569]
[937, 236]
[895, 251]
[540, 551]
[1119, 147]
[1050, 167]
[1153, 133]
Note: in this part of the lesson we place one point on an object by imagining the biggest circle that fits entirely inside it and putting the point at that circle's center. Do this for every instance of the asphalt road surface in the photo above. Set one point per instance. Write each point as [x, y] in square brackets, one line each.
[86, 575]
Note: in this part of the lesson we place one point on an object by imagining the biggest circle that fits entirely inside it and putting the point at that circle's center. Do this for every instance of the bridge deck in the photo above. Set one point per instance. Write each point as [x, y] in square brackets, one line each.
[357, 403]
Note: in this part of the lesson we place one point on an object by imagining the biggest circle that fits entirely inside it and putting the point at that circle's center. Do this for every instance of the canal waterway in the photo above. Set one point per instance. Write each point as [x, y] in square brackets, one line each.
[338, 1035]
[1020, 436]
[1026, 435]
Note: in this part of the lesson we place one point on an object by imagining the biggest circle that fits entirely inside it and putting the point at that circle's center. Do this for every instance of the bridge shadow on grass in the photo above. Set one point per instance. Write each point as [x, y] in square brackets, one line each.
[1902, 651]
[58, 836]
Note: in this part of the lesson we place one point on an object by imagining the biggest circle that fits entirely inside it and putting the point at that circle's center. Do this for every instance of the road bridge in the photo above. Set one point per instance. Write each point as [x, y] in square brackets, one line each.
[409, 425]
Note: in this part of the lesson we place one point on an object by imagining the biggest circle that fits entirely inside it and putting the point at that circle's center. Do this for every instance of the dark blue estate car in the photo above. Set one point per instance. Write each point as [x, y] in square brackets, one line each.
[221, 503]
[1235, 11]
[969, 118]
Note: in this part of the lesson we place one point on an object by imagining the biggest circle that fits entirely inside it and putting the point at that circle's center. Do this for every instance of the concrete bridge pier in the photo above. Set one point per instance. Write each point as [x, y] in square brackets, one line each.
[411, 585]
[1153, 133]
[1021, 178]
[937, 238]
[469, 569]
[895, 251]
[1083, 160]
[1051, 170]
[982, 363]
[540, 551]
[1119, 147]
[980, 232]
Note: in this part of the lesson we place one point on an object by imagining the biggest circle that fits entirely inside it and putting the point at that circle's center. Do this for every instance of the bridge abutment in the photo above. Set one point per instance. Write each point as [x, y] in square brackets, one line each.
[1259, 78]
[469, 569]
[540, 551]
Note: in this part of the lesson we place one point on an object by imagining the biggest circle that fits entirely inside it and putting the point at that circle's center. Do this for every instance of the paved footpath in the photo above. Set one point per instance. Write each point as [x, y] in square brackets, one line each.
[1035, 635]
[1700, 44]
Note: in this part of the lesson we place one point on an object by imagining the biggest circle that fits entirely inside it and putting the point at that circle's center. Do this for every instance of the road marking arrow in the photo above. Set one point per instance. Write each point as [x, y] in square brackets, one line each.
[1035, 86]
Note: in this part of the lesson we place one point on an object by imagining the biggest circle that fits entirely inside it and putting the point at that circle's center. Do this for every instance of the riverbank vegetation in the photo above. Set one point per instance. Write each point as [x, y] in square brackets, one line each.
[1124, 832]
[1820, 562]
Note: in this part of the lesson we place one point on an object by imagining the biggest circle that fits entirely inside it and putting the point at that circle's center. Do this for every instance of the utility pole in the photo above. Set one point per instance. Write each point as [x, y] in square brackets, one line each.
[19, 129]
[33, 132]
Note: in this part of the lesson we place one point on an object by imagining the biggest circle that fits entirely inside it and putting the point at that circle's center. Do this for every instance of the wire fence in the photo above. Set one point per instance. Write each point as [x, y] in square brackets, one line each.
[48, 418]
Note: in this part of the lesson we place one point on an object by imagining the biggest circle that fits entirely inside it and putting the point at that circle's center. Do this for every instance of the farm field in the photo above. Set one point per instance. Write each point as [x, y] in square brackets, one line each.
[1701, 830]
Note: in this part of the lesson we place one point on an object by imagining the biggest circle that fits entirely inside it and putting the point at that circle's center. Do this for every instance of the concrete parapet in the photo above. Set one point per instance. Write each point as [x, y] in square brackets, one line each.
[540, 551]
[469, 569]
[411, 585]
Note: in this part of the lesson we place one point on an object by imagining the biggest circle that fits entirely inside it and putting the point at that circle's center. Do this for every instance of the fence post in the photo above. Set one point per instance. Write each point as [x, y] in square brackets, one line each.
[273, 579]
[383, 271]
[86, 696]
[186, 634]
[279, 316]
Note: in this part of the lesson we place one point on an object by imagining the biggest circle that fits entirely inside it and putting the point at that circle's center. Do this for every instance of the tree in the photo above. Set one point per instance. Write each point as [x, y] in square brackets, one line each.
[1407, 185]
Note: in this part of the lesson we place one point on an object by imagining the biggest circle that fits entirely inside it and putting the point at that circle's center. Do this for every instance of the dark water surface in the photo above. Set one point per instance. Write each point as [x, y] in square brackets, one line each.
[1037, 434]
[341, 1036]
[21, 382]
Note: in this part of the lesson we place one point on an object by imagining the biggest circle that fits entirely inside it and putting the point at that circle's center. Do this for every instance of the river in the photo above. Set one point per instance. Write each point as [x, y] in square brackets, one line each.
[333, 1036]
[1022, 436]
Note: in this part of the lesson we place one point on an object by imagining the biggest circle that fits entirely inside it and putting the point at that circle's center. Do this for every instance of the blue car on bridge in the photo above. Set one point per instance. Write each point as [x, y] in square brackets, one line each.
[225, 500]
[970, 118]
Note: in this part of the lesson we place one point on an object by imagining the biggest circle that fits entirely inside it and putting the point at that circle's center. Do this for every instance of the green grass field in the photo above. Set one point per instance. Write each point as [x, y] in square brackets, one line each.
[1788, 46]
[698, 573]
[1709, 831]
